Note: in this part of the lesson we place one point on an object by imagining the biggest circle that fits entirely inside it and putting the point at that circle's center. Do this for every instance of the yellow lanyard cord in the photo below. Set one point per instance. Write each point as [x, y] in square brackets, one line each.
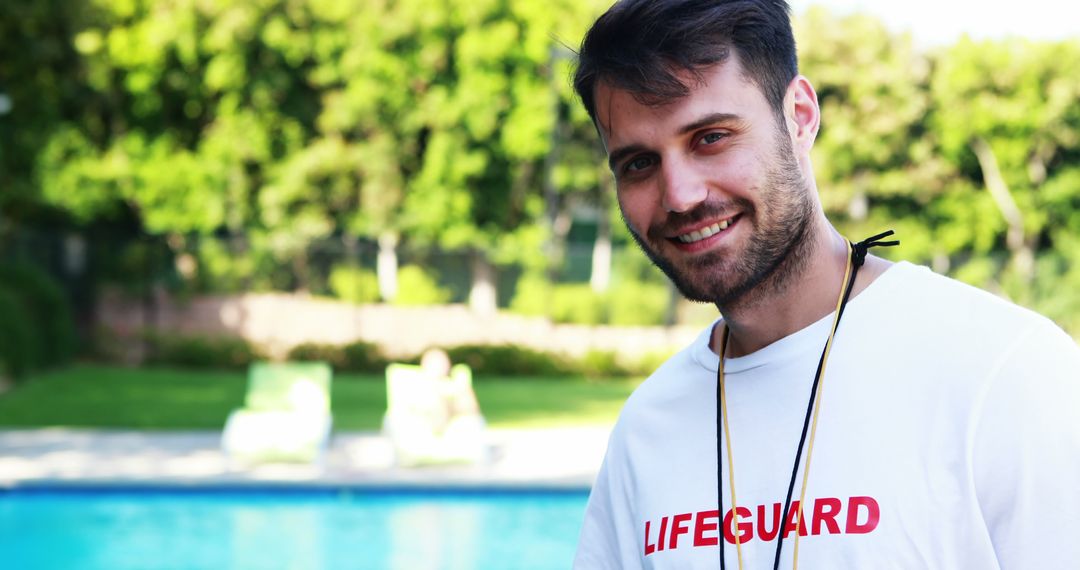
[845, 287]
[730, 458]
[817, 408]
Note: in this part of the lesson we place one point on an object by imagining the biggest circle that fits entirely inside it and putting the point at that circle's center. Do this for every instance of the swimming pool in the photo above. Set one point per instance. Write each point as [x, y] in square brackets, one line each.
[302, 528]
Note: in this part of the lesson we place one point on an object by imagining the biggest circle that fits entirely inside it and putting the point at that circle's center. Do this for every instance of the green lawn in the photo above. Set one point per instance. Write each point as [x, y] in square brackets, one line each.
[112, 397]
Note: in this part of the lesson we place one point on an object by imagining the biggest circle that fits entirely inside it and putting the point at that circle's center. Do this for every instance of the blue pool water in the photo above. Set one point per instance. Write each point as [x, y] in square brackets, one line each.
[308, 530]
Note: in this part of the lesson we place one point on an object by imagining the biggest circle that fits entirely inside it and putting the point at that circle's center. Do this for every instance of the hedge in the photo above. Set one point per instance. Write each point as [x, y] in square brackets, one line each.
[37, 328]
[191, 351]
[354, 357]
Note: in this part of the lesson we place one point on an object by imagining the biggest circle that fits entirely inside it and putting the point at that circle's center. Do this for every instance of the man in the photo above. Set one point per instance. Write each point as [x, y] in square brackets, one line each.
[931, 427]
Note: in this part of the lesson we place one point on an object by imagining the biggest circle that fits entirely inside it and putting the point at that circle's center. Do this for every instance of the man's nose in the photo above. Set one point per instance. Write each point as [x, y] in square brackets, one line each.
[683, 188]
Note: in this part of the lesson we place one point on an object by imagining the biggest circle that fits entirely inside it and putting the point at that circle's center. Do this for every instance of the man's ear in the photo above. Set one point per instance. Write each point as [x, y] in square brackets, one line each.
[802, 113]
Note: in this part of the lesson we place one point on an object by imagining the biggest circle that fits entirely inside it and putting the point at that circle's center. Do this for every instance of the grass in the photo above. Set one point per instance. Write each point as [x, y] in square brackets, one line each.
[170, 399]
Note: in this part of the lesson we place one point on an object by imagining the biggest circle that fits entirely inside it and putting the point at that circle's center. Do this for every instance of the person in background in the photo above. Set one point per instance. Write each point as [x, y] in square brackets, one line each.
[457, 397]
[433, 416]
[844, 411]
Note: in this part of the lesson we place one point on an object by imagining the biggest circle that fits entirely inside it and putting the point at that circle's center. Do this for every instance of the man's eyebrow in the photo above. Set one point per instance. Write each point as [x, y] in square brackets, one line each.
[710, 119]
[619, 154]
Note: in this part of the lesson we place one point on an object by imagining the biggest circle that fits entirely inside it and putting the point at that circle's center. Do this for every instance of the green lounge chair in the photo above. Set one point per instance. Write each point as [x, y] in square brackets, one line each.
[417, 424]
[286, 414]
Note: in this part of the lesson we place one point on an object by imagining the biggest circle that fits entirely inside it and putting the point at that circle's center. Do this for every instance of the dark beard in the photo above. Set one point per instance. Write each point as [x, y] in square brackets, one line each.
[777, 252]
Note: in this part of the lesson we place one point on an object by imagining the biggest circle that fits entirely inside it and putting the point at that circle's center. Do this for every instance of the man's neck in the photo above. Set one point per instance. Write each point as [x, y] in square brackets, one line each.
[803, 299]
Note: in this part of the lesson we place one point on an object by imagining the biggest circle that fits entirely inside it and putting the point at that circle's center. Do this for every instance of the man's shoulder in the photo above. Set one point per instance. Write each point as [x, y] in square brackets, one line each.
[918, 288]
[678, 377]
[934, 306]
[695, 357]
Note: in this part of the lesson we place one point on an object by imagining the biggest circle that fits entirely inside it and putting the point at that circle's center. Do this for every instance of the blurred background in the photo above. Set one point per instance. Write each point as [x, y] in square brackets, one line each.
[202, 184]
[190, 186]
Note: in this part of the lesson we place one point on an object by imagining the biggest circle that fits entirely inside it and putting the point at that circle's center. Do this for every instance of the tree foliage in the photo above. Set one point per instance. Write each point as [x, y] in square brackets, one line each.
[1009, 121]
[281, 123]
[293, 121]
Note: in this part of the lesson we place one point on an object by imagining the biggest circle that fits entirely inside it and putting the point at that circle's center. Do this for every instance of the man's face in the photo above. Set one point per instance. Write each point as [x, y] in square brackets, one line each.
[708, 184]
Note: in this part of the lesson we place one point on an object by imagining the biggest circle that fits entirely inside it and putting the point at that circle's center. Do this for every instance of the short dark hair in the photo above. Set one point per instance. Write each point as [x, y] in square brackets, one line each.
[639, 45]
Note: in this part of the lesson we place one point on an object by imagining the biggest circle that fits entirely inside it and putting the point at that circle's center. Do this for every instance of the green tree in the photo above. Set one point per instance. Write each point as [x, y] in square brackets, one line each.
[283, 123]
[490, 112]
[876, 166]
[187, 110]
[40, 85]
[1008, 117]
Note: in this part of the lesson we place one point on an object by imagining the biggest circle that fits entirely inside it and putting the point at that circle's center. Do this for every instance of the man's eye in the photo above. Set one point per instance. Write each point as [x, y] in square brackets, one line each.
[711, 138]
[640, 163]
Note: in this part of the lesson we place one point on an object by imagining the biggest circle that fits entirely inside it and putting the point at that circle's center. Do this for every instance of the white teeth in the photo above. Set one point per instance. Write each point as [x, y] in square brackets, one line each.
[703, 233]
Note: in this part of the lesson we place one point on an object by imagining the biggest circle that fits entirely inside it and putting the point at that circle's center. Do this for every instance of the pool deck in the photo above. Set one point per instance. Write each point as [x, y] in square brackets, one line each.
[566, 457]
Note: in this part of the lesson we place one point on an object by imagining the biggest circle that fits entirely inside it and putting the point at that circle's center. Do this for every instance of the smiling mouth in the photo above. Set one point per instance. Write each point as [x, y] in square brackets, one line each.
[706, 232]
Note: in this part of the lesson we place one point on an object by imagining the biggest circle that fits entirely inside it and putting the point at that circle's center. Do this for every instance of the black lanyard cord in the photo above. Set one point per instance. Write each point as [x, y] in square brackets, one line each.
[858, 257]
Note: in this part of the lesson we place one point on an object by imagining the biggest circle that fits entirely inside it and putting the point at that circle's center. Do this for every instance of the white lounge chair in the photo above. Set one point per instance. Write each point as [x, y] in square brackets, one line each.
[286, 415]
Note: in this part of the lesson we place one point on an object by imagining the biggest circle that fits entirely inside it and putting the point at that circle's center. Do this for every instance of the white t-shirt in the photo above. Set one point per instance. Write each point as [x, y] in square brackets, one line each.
[948, 437]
